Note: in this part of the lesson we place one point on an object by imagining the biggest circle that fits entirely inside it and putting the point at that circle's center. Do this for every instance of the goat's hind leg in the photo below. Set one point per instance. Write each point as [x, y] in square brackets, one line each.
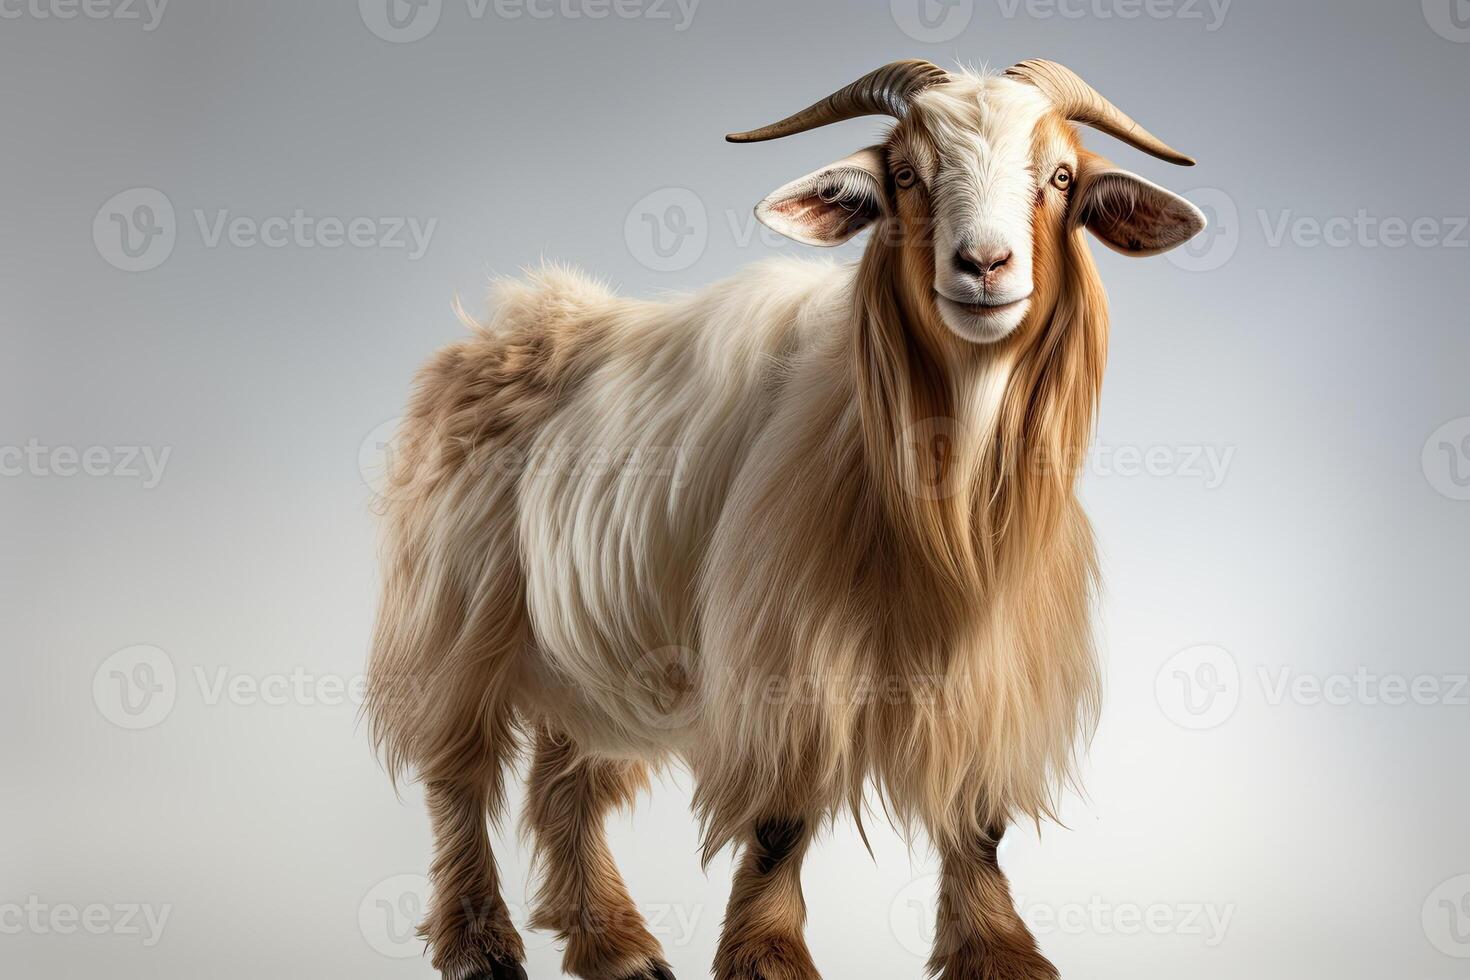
[468, 926]
[582, 897]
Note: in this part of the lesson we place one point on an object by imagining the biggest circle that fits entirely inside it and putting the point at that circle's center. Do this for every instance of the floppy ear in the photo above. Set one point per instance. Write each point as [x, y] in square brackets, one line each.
[1132, 215]
[829, 206]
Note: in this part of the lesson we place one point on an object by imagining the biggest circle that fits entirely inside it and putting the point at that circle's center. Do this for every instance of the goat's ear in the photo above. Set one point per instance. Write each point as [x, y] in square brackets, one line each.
[1132, 215]
[829, 206]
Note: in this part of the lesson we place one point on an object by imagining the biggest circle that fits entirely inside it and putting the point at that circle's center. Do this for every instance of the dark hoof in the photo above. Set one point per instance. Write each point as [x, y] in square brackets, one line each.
[501, 971]
[659, 971]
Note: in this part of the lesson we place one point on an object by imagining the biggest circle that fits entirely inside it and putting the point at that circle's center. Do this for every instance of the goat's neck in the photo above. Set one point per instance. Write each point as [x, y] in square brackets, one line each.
[973, 448]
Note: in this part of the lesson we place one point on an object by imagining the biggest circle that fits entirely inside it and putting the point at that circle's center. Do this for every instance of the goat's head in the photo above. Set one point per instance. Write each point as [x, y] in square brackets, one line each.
[979, 181]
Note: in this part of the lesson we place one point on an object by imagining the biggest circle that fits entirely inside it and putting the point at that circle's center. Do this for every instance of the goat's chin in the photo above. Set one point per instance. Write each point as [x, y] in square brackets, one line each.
[982, 325]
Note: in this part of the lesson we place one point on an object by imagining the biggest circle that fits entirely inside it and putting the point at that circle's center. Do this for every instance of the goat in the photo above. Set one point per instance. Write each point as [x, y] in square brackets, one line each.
[831, 541]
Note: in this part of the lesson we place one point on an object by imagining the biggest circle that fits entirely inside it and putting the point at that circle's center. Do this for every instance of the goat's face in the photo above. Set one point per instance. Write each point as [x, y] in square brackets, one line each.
[978, 185]
[978, 178]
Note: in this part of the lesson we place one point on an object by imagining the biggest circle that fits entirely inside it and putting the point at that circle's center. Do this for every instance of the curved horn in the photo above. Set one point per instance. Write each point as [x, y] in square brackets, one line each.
[1081, 103]
[886, 91]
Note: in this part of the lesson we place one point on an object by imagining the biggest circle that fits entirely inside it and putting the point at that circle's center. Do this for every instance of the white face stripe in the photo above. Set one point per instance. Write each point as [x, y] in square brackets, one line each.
[972, 139]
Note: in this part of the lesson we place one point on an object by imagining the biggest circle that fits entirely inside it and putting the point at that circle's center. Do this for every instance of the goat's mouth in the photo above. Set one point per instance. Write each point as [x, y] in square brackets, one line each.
[982, 309]
[982, 322]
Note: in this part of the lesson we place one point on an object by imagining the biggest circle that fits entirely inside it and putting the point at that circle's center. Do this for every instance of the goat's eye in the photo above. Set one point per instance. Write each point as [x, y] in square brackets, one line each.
[904, 176]
[1062, 179]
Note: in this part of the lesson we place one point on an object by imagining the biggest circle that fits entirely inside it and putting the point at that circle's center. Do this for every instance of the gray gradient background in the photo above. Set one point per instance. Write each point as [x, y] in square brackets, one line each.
[1332, 835]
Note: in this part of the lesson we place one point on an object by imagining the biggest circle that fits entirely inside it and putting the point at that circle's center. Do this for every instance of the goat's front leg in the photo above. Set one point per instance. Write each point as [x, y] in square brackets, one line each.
[979, 934]
[762, 939]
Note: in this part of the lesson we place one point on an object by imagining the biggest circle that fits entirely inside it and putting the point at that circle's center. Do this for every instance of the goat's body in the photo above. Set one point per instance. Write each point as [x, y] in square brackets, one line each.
[624, 494]
[810, 531]
[651, 526]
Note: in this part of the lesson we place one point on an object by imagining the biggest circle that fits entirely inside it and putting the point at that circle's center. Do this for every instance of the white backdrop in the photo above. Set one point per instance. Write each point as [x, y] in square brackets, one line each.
[231, 232]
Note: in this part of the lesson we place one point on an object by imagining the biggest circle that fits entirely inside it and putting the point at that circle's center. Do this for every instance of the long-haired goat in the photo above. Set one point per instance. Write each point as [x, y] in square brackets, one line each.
[810, 529]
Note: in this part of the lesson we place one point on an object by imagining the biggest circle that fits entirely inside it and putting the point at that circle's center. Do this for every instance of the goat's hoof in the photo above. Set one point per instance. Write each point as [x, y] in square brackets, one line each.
[659, 971]
[501, 970]
[1010, 965]
[770, 958]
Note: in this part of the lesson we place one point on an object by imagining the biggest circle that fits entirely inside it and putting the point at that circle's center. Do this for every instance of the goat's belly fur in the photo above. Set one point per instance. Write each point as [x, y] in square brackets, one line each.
[667, 550]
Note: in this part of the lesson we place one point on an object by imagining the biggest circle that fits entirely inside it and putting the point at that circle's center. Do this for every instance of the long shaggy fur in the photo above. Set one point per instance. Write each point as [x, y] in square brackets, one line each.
[789, 530]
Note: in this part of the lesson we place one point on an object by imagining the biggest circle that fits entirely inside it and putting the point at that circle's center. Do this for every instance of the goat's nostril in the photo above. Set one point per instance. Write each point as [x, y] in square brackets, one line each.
[979, 262]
